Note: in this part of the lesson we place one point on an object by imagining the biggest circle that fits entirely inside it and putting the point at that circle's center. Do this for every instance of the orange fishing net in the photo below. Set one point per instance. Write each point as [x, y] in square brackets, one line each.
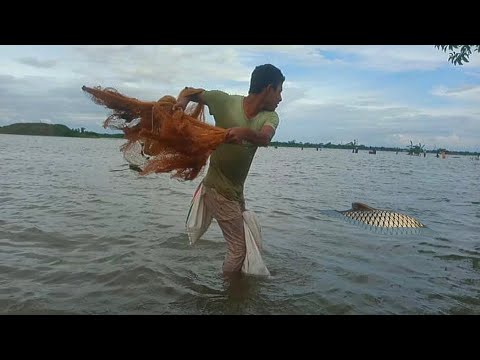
[175, 140]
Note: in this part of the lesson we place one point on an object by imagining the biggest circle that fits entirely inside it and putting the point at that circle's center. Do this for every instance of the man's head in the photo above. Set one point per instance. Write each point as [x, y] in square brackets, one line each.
[267, 80]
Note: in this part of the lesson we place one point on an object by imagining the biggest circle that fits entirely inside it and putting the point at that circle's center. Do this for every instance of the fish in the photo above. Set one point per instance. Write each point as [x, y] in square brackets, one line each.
[379, 220]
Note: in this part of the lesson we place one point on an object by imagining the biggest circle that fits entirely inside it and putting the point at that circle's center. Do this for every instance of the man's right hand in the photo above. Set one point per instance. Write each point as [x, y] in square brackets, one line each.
[235, 135]
[181, 104]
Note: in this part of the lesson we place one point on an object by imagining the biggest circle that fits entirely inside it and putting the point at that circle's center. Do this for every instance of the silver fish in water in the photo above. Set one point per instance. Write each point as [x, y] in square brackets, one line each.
[381, 218]
[378, 220]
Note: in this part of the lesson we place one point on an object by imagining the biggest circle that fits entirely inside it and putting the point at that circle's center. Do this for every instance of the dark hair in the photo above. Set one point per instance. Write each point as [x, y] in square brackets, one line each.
[264, 75]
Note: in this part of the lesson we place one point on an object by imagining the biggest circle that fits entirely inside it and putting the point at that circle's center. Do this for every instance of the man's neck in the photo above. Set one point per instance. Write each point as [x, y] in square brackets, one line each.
[252, 105]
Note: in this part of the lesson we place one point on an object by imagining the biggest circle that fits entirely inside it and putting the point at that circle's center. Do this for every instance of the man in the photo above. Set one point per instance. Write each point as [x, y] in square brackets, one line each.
[251, 122]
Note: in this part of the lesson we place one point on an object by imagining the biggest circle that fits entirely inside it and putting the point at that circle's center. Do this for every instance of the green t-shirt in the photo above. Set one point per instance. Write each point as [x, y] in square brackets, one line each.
[230, 163]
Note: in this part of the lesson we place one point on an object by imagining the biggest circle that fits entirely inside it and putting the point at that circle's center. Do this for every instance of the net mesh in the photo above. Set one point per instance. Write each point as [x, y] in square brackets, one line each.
[169, 141]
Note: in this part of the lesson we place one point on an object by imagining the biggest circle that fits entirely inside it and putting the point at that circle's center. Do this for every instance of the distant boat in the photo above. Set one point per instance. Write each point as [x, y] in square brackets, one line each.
[374, 151]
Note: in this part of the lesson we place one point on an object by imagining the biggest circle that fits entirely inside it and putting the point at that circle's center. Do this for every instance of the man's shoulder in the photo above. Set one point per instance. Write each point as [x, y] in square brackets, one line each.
[265, 114]
[268, 118]
[216, 93]
[215, 96]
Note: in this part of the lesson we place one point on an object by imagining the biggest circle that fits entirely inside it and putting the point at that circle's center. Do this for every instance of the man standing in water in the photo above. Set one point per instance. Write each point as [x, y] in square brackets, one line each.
[251, 122]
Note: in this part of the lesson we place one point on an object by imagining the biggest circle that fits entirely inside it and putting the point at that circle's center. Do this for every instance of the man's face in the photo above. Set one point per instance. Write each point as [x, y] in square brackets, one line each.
[273, 97]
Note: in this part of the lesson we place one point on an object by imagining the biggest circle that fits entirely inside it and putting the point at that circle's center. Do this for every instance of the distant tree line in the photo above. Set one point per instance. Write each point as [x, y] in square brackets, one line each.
[412, 149]
[43, 129]
[329, 145]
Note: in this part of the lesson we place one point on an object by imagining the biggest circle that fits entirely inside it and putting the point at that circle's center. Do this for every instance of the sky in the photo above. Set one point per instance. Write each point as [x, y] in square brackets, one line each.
[380, 95]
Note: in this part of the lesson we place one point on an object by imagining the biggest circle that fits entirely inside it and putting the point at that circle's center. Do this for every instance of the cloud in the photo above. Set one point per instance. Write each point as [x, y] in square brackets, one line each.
[395, 58]
[37, 63]
[167, 67]
[375, 121]
[469, 93]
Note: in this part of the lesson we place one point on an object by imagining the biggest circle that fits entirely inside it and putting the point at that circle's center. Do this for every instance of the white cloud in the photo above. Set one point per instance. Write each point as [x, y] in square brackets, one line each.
[397, 58]
[37, 62]
[466, 93]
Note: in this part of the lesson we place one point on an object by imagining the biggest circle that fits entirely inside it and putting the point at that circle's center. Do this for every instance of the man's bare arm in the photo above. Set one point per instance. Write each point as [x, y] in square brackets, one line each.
[183, 100]
[263, 137]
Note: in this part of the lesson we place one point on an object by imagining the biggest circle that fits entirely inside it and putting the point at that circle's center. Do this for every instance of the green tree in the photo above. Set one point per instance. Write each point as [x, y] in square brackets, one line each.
[459, 54]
